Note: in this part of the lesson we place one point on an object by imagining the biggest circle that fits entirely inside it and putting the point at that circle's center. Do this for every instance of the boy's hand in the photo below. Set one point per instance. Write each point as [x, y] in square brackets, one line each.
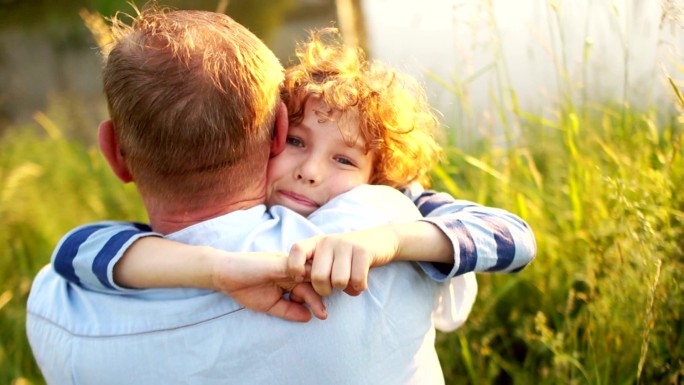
[259, 281]
[342, 261]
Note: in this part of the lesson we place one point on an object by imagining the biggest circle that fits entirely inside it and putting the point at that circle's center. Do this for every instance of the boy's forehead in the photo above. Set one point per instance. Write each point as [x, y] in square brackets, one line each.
[344, 124]
[347, 121]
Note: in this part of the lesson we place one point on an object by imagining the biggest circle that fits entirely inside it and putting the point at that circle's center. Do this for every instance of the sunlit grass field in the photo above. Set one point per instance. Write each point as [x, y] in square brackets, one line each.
[599, 183]
[602, 303]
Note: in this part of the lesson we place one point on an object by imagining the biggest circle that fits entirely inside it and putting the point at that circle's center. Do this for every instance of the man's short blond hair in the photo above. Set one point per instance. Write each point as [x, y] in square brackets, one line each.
[396, 121]
[193, 96]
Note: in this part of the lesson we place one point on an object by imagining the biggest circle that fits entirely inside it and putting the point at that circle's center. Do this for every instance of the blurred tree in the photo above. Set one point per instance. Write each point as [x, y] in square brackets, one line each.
[352, 23]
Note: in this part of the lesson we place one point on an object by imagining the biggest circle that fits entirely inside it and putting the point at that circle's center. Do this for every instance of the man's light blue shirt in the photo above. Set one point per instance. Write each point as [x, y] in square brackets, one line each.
[188, 336]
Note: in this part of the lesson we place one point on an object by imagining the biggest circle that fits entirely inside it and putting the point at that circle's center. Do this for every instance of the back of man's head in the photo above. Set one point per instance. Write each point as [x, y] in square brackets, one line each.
[192, 95]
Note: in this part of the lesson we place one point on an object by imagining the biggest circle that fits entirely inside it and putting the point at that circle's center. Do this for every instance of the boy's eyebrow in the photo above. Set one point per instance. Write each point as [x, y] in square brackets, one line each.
[358, 144]
[344, 139]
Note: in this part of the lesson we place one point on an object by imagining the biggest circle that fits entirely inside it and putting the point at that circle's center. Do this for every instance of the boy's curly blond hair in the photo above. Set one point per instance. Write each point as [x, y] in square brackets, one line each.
[394, 116]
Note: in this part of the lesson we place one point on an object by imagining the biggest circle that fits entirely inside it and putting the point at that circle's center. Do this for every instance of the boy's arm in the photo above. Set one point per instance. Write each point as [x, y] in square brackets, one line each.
[341, 261]
[158, 262]
[392, 232]
[453, 238]
[254, 280]
[97, 255]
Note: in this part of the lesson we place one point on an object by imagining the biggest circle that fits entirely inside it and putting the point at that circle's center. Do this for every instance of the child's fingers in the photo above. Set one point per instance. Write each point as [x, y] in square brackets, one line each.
[321, 267]
[341, 268]
[350, 291]
[360, 265]
[296, 260]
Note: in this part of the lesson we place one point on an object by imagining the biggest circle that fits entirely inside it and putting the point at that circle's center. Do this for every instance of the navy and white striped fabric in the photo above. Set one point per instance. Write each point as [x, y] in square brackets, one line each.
[485, 239]
[87, 254]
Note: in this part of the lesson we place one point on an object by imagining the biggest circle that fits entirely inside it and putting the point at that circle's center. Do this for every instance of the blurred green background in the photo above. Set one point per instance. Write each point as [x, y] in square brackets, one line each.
[595, 174]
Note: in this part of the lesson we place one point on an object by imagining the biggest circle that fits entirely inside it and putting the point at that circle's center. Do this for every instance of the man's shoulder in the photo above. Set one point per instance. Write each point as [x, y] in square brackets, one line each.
[69, 307]
[379, 196]
[370, 205]
[253, 229]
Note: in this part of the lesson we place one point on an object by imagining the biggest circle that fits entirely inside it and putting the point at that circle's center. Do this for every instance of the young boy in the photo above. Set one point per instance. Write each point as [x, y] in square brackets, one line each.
[351, 123]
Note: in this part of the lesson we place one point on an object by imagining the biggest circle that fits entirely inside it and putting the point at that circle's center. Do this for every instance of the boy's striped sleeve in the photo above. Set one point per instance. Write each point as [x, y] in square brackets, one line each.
[87, 254]
[485, 239]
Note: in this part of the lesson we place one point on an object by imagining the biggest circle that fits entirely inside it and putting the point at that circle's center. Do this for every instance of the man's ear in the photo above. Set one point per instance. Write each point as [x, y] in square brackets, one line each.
[280, 128]
[109, 146]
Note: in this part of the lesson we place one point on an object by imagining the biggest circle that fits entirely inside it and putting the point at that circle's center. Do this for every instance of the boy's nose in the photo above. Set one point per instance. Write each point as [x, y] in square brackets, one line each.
[308, 172]
[306, 179]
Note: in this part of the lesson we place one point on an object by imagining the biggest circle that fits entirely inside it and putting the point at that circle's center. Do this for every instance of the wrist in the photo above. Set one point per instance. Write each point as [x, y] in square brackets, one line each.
[422, 241]
[210, 261]
[396, 239]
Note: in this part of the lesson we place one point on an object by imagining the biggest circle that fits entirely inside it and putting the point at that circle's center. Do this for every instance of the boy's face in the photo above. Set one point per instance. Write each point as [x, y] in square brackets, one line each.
[318, 164]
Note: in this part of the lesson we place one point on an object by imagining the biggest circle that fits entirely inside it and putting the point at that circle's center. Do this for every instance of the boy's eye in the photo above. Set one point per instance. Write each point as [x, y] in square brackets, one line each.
[293, 141]
[344, 161]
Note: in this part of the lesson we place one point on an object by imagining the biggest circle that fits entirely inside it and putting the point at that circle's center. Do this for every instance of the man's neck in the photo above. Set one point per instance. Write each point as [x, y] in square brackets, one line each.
[169, 217]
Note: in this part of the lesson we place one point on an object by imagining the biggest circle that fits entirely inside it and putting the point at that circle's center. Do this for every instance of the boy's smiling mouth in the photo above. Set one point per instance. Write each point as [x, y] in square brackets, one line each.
[297, 198]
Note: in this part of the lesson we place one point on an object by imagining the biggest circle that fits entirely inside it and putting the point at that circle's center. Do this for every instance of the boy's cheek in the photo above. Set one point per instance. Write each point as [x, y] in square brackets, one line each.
[275, 168]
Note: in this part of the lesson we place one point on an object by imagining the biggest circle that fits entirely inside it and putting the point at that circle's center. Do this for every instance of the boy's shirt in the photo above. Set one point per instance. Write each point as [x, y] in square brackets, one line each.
[484, 239]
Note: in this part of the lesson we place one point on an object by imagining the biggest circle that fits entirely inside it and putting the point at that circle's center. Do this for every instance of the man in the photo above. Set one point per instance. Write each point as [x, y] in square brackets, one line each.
[195, 115]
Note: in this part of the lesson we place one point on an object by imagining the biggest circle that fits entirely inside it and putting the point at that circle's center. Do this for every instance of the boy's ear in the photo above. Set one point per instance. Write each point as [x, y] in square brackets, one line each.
[280, 128]
[109, 146]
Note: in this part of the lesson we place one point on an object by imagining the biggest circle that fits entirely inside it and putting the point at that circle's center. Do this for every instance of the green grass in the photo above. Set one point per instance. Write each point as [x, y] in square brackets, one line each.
[602, 302]
[49, 185]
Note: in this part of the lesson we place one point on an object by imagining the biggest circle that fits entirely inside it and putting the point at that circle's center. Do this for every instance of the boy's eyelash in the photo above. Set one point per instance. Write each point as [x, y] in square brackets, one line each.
[294, 141]
[345, 161]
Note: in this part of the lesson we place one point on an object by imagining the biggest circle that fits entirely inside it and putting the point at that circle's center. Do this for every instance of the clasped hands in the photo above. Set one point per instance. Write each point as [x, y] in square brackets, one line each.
[312, 269]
